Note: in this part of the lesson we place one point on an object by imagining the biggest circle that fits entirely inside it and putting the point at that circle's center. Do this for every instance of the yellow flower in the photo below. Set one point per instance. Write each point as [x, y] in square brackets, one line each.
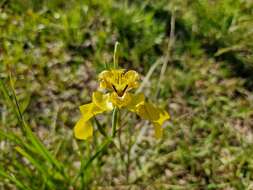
[119, 83]
[119, 80]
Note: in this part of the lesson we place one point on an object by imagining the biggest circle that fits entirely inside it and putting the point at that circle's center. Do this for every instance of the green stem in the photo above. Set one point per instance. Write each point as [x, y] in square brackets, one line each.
[100, 127]
[100, 149]
[86, 165]
[115, 56]
[114, 121]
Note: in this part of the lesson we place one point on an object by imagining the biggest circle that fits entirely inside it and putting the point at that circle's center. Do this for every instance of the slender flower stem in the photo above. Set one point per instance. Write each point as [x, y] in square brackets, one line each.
[114, 121]
[115, 56]
[100, 127]
[101, 148]
[87, 164]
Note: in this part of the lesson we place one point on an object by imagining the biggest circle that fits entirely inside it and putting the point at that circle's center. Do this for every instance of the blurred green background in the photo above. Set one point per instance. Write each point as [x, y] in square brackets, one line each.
[199, 55]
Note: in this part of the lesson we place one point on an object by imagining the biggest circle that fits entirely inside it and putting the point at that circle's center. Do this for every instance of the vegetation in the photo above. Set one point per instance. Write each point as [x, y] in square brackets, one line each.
[195, 59]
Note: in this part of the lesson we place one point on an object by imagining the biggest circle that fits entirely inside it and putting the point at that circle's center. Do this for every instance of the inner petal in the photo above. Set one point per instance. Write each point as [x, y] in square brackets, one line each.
[119, 80]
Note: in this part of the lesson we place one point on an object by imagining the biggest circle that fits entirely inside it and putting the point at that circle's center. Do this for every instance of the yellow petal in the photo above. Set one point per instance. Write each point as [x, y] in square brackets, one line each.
[104, 85]
[158, 130]
[163, 116]
[83, 129]
[102, 101]
[90, 110]
[154, 114]
[136, 99]
[132, 78]
[104, 78]
[99, 105]
[148, 111]
[118, 80]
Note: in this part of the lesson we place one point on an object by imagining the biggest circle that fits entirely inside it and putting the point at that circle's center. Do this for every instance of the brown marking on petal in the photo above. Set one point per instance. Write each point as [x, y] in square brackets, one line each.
[114, 88]
[125, 89]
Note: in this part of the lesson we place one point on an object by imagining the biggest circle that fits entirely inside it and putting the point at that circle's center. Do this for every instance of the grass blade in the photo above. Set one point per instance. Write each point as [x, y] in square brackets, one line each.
[40, 167]
[41, 149]
[14, 180]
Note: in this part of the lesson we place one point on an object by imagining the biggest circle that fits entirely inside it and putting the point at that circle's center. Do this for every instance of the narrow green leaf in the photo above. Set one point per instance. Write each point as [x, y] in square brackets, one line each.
[40, 167]
[41, 149]
[14, 180]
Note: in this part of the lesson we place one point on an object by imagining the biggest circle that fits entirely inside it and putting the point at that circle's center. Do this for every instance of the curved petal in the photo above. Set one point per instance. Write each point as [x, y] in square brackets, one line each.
[132, 78]
[154, 114]
[102, 101]
[99, 105]
[148, 111]
[163, 116]
[158, 130]
[136, 99]
[103, 79]
[108, 78]
[83, 129]
[90, 110]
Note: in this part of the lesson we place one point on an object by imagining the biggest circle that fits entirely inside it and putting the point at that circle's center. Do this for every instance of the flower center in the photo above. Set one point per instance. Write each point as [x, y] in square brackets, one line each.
[119, 93]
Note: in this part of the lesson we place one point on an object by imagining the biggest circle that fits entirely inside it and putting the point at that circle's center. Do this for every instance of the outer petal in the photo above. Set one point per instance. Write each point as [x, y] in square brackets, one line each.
[148, 111]
[158, 130]
[154, 114]
[89, 110]
[99, 105]
[136, 99]
[102, 101]
[163, 116]
[83, 129]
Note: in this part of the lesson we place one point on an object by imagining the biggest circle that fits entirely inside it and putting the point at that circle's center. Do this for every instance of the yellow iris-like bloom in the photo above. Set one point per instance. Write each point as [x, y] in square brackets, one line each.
[119, 82]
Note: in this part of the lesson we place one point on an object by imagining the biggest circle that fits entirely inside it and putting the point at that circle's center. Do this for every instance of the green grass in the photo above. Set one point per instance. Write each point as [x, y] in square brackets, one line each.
[53, 51]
